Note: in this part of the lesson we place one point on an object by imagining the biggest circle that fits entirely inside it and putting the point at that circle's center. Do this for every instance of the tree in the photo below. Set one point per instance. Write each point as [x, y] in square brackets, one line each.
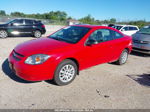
[2, 13]
[69, 18]
[87, 20]
[18, 14]
[113, 20]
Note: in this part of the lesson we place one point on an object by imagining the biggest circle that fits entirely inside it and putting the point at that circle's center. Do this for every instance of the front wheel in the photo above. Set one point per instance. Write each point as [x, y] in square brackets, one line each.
[65, 72]
[123, 57]
[3, 34]
[37, 34]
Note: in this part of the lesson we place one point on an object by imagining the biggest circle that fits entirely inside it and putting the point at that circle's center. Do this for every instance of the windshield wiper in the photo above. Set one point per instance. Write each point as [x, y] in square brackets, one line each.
[60, 39]
[56, 38]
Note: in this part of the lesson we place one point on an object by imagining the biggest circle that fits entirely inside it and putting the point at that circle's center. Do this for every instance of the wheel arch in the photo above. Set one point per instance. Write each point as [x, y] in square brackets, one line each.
[76, 61]
[128, 49]
[36, 30]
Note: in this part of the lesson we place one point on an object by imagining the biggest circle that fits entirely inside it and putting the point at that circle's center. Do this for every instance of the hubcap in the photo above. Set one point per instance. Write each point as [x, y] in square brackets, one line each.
[3, 34]
[124, 57]
[37, 34]
[67, 73]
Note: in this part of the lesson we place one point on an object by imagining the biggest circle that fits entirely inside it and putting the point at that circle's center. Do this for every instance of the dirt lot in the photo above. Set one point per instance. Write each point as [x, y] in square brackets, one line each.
[106, 86]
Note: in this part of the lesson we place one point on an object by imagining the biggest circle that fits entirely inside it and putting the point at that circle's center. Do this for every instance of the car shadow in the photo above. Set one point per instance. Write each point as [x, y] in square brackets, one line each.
[51, 82]
[143, 79]
[139, 54]
[7, 71]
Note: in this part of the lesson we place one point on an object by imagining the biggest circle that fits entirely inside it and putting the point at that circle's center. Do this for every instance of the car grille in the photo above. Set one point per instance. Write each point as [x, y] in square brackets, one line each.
[141, 49]
[141, 42]
[17, 56]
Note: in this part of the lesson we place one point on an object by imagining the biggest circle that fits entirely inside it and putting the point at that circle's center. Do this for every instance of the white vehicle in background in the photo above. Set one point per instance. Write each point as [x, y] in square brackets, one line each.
[127, 29]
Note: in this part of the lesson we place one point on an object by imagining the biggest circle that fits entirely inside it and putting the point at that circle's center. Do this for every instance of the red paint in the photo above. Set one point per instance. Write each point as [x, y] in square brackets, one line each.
[86, 56]
[43, 26]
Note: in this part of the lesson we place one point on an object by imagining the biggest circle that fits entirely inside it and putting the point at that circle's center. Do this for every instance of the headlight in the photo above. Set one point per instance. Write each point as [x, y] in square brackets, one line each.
[37, 59]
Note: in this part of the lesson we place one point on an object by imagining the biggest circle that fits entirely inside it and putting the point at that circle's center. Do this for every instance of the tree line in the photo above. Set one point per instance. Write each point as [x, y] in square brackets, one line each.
[63, 16]
[90, 20]
[53, 15]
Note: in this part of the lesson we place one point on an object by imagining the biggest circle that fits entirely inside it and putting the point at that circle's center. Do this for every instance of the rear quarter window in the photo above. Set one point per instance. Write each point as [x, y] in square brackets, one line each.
[37, 22]
[117, 35]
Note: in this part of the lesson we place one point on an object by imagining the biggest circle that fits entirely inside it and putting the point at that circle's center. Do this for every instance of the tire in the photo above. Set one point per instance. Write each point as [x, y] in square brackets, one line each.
[63, 76]
[3, 34]
[123, 57]
[37, 34]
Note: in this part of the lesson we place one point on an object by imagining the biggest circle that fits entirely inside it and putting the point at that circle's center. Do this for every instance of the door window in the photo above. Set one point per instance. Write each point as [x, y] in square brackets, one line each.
[29, 22]
[133, 28]
[18, 22]
[101, 35]
[126, 28]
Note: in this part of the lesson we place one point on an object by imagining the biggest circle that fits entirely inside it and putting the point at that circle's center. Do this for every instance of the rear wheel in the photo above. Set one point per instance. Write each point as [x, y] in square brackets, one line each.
[3, 34]
[65, 72]
[123, 57]
[37, 34]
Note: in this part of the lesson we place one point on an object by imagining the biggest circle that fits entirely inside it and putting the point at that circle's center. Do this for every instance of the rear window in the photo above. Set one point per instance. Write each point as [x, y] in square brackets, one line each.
[145, 30]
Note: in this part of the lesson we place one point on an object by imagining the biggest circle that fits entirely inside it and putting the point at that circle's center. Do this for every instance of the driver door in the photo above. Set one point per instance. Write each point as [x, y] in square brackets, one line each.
[16, 27]
[101, 52]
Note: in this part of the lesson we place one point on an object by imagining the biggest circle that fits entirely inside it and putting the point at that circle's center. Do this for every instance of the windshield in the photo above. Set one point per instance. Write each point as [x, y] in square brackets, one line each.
[70, 34]
[145, 30]
[10, 21]
[118, 27]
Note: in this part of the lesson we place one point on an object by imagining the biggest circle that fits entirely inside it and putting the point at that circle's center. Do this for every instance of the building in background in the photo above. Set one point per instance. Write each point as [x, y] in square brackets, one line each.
[73, 22]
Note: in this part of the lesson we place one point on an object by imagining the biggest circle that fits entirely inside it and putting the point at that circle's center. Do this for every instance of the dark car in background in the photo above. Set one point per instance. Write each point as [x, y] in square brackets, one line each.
[19, 27]
[141, 40]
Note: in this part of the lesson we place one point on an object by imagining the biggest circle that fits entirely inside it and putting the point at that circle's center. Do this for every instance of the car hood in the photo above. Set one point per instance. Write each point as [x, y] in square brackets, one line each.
[39, 46]
[2, 25]
[140, 36]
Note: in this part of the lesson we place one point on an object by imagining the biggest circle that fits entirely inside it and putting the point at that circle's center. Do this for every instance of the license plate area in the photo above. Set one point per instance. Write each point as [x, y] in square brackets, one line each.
[11, 66]
[138, 46]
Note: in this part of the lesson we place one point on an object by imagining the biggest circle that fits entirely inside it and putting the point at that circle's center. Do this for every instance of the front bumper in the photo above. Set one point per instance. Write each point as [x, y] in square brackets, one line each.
[143, 48]
[28, 72]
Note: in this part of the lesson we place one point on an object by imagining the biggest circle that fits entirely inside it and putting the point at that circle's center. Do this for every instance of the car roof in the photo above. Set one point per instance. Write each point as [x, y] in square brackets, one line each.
[91, 26]
[126, 25]
[97, 26]
[26, 19]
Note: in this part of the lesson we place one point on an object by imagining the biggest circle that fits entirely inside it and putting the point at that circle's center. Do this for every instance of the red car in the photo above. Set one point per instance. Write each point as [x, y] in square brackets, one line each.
[63, 54]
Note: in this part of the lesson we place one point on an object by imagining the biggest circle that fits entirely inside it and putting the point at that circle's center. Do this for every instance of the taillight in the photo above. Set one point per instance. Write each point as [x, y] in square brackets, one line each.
[43, 26]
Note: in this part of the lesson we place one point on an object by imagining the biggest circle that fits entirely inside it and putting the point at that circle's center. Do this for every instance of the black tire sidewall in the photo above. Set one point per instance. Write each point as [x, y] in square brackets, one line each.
[56, 75]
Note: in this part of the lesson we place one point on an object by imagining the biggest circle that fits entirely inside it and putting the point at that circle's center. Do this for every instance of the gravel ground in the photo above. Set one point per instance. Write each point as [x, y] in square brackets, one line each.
[105, 86]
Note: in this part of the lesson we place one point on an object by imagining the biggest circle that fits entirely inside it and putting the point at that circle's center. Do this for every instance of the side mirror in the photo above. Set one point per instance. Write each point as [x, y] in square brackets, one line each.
[11, 24]
[91, 42]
